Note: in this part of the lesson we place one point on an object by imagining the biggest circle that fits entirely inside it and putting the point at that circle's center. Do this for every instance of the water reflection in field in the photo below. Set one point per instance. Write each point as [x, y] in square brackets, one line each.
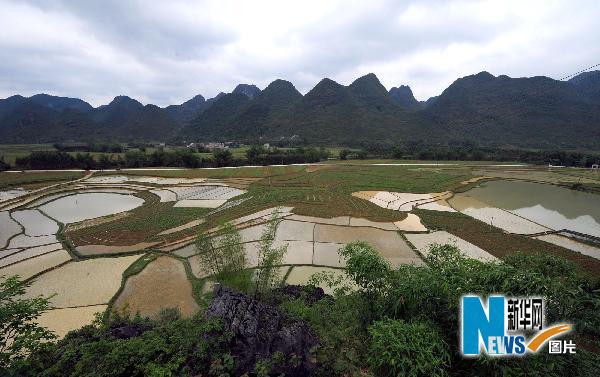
[78, 207]
[551, 206]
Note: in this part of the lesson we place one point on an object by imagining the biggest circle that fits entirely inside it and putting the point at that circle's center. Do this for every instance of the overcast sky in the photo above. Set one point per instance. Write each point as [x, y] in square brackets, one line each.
[165, 52]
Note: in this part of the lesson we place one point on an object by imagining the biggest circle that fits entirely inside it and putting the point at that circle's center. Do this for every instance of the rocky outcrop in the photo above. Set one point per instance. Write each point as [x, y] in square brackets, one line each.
[263, 333]
[129, 330]
[308, 294]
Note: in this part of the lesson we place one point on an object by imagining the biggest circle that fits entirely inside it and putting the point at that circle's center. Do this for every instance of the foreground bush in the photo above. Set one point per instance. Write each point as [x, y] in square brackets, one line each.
[135, 348]
[381, 321]
[19, 334]
[396, 302]
[399, 348]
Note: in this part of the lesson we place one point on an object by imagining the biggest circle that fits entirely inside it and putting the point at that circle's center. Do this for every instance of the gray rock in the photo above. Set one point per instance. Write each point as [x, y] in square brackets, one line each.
[260, 331]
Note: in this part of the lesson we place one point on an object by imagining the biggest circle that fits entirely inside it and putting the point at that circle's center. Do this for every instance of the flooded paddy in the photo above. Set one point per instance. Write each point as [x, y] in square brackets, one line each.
[8, 228]
[33, 266]
[406, 201]
[546, 205]
[303, 274]
[326, 254]
[61, 321]
[412, 223]
[78, 207]
[21, 255]
[80, 190]
[161, 284]
[388, 243]
[143, 179]
[423, 242]
[35, 223]
[11, 194]
[88, 282]
[571, 244]
[23, 241]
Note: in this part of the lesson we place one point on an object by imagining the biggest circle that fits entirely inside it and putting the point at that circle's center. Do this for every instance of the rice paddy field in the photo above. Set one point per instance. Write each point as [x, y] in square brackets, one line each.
[124, 240]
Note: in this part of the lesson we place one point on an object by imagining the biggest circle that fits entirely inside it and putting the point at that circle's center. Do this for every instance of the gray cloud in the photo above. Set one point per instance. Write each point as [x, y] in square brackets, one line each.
[165, 52]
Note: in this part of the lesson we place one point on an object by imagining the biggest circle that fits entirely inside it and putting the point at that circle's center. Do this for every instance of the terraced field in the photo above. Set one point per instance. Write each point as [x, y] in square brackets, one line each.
[124, 241]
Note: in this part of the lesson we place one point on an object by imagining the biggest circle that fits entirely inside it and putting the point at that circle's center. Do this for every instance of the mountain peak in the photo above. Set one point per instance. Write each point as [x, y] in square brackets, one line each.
[483, 76]
[369, 77]
[587, 84]
[280, 84]
[281, 88]
[328, 82]
[194, 101]
[248, 90]
[279, 93]
[188, 110]
[368, 86]
[403, 95]
[214, 99]
[60, 103]
[123, 100]
[15, 97]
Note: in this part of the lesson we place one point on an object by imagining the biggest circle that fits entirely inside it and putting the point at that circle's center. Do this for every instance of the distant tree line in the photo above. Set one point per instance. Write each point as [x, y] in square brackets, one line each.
[47, 160]
[3, 165]
[258, 155]
[470, 152]
[89, 147]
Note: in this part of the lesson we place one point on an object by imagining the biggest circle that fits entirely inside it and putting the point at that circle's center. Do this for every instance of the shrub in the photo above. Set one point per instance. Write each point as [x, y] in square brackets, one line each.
[19, 334]
[222, 157]
[365, 266]
[399, 348]
[269, 257]
[186, 347]
[224, 257]
[545, 264]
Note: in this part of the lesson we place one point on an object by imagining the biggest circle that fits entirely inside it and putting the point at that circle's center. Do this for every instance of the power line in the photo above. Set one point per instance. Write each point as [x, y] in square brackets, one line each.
[575, 74]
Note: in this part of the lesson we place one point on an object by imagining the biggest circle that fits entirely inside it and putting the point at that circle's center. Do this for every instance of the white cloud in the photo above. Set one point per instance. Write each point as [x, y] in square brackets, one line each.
[165, 52]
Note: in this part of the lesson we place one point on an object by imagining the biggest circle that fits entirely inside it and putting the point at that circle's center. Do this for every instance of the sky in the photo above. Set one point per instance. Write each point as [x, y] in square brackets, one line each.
[165, 52]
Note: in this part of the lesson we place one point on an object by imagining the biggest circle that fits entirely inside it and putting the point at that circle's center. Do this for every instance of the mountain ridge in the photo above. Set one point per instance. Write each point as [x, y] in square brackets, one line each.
[492, 110]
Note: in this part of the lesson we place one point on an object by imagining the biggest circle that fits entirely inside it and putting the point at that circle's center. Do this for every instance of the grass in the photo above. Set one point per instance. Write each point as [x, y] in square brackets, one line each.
[325, 192]
[499, 243]
[33, 180]
[10, 152]
[421, 162]
[220, 173]
[141, 225]
[563, 176]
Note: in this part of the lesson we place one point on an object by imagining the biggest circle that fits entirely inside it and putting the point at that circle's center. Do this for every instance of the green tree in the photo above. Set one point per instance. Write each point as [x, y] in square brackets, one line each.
[136, 159]
[3, 164]
[344, 154]
[254, 152]
[19, 334]
[223, 253]
[224, 257]
[223, 157]
[365, 266]
[397, 153]
[269, 257]
[104, 161]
